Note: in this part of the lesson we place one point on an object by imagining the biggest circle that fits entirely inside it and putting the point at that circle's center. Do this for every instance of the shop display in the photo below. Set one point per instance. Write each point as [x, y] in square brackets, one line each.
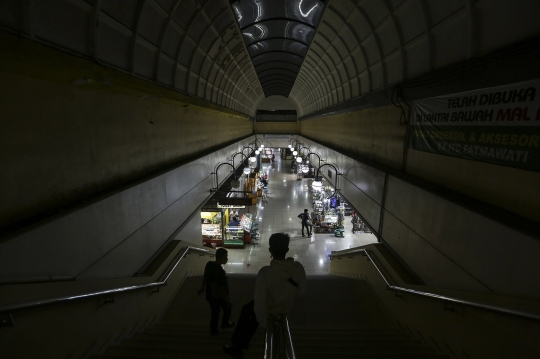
[212, 230]
[246, 222]
[266, 156]
[238, 236]
[234, 237]
[329, 213]
[359, 225]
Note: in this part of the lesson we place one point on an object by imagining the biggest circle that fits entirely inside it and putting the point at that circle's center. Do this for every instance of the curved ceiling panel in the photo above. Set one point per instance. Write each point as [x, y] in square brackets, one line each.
[282, 65]
[190, 46]
[278, 56]
[363, 46]
[271, 45]
[277, 71]
[277, 32]
[354, 47]
[249, 12]
[271, 29]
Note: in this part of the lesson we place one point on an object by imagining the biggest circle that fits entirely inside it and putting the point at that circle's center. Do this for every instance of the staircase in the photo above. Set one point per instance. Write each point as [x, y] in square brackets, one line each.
[365, 344]
[180, 341]
[337, 318]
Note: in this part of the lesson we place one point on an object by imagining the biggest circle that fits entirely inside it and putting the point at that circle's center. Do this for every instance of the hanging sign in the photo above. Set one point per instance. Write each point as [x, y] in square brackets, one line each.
[229, 206]
[499, 125]
[235, 201]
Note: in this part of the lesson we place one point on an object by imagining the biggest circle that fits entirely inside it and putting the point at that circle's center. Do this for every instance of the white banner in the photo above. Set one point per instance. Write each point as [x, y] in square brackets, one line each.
[499, 125]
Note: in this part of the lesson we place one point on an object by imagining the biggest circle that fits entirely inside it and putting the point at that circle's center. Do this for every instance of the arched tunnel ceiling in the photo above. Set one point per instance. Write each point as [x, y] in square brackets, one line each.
[362, 46]
[277, 34]
[192, 46]
[196, 46]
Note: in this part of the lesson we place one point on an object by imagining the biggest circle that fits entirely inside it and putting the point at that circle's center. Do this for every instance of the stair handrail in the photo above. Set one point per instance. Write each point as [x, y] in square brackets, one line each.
[391, 285]
[277, 328]
[162, 281]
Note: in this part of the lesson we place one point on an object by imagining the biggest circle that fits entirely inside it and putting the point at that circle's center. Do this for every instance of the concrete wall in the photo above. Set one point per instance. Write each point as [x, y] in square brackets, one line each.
[191, 232]
[289, 128]
[447, 244]
[104, 166]
[61, 143]
[510, 188]
[375, 134]
[116, 236]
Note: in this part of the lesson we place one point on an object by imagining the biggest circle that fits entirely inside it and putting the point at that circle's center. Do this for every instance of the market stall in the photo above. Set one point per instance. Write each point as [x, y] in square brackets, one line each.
[237, 235]
[266, 155]
[212, 228]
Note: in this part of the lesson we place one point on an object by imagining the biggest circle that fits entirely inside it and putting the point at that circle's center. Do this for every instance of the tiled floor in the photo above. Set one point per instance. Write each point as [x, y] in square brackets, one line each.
[287, 198]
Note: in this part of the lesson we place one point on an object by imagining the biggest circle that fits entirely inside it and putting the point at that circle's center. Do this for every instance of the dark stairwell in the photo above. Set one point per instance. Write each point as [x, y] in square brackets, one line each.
[336, 318]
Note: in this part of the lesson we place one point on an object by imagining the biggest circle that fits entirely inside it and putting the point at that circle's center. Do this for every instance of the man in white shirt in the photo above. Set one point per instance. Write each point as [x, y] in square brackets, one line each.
[276, 288]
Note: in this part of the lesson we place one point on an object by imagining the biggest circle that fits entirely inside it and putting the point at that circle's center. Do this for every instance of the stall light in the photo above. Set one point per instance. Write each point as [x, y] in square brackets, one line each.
[316, 184]
[290, 146]
[257, 152]
[305, 169]
[247, 170]
[262, 146]
[307, 161]
[259, 149]
[295, 153]
[253, 159]
[299, 159]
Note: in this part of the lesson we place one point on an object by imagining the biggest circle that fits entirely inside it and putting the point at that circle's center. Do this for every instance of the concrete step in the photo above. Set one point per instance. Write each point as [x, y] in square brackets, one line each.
[345, 336]
[359, 343]
[361, 349]
[369, 356]
[214, 355]
[165, 353]
[149, 341]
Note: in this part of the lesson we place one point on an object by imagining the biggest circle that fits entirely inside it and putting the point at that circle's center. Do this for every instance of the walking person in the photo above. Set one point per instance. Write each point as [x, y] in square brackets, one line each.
[276, 288]
[216, 286]
[305, 222]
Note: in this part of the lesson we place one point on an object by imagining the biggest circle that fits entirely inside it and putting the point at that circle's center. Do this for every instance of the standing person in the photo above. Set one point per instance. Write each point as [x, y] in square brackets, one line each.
[234, 213]
[276, 288]
[305, 218]
[216, 285]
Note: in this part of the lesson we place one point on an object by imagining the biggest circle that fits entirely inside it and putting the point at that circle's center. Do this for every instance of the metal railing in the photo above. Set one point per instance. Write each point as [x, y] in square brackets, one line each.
[391, 285]
[162, 281]
[278, 343]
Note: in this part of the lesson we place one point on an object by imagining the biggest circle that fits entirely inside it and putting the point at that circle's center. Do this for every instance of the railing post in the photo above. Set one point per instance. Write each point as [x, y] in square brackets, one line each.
[289, 347]
[269, 342]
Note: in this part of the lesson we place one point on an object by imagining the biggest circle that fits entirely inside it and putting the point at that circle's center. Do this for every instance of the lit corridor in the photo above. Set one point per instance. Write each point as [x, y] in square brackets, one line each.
[287, 198]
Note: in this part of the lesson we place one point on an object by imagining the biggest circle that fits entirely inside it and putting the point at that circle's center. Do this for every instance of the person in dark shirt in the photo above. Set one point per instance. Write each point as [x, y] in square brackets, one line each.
[305, 222]
[216, 286]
